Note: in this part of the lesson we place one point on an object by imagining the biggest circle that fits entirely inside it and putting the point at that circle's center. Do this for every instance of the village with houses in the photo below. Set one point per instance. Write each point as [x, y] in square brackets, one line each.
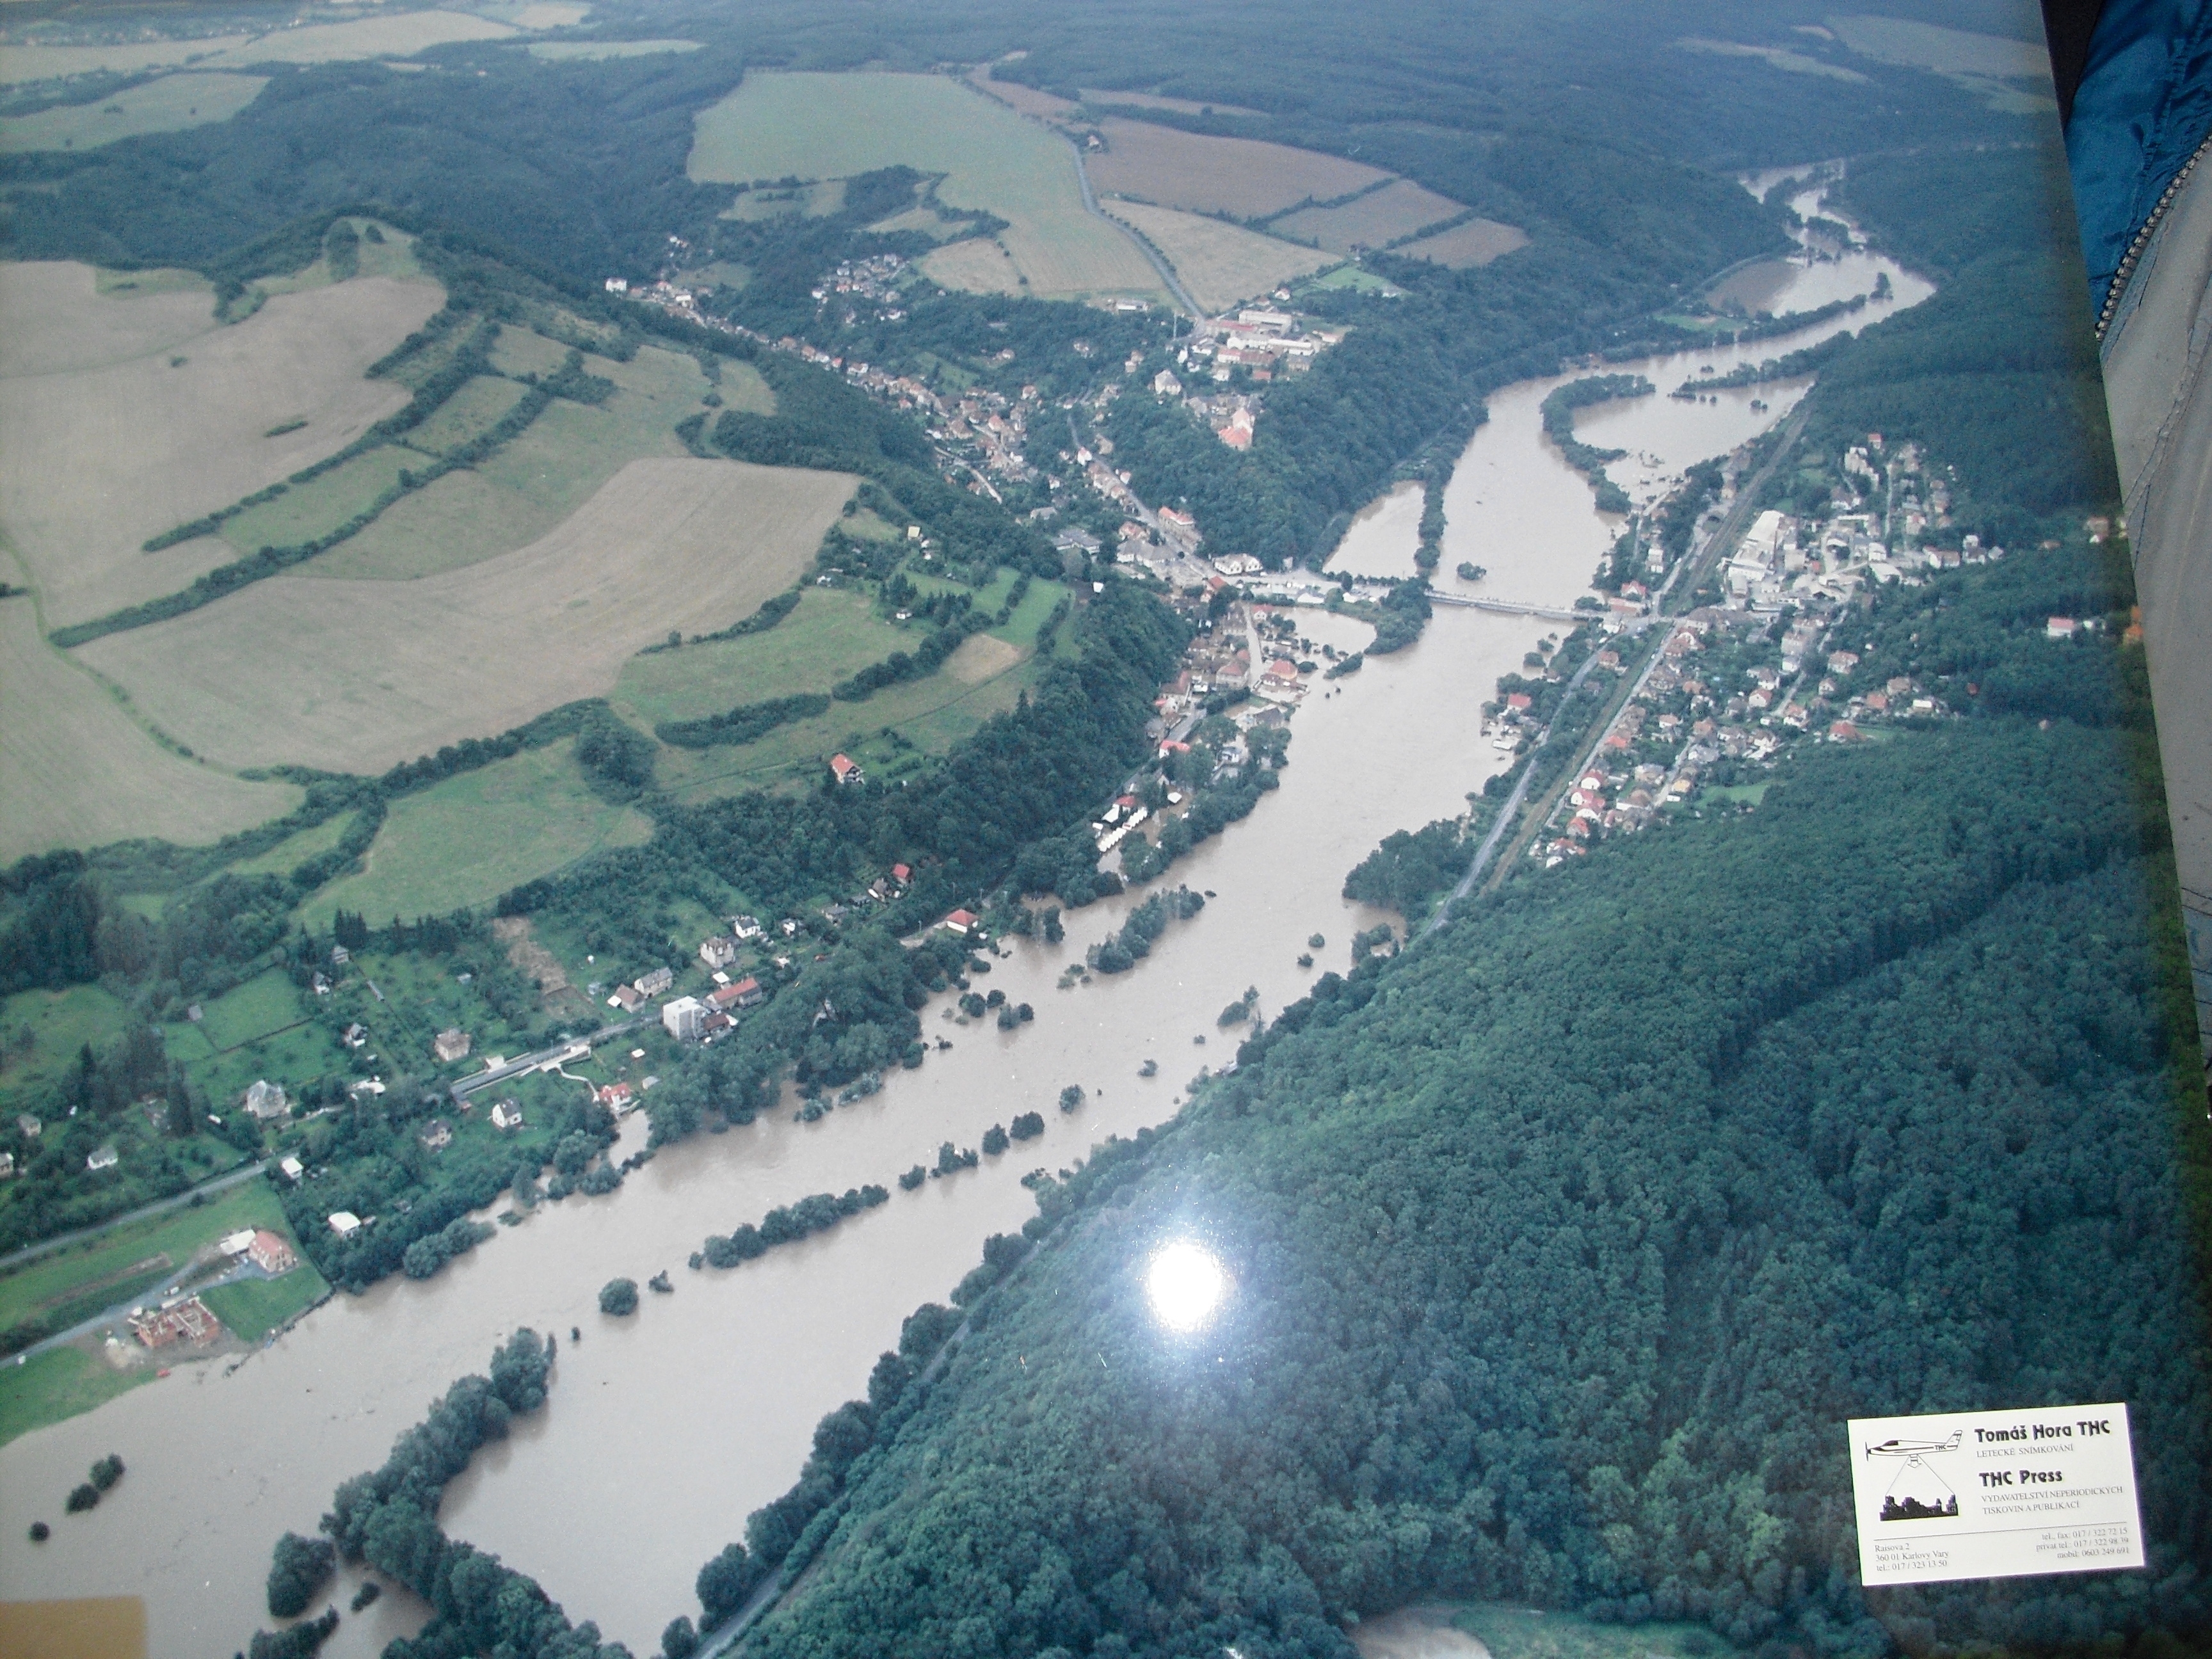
[1730, 688]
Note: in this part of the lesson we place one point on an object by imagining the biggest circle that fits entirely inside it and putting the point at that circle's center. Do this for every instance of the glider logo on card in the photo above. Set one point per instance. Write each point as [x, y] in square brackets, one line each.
[1995, 1494]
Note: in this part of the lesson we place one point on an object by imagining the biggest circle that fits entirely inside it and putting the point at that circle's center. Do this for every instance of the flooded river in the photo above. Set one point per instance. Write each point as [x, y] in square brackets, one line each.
[663, 1432]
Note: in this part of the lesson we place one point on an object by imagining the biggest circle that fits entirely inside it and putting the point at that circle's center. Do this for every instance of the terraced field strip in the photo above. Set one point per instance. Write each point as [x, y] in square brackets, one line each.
[356, 674]
[1397, 209]
[123, 415]
[1477, 242]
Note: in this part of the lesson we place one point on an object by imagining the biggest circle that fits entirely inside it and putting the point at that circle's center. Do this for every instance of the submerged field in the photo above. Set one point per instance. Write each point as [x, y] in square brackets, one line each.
[1220, 264]
[356, 674]
[819, 127]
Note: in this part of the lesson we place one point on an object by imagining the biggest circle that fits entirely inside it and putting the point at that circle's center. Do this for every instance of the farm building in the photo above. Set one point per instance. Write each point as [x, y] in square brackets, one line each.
[237, 1243]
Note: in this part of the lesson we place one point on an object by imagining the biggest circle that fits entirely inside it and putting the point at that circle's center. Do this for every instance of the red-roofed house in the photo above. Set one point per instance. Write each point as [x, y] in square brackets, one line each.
[271, 1253]
[961, 922]
[745, 993]
[1518, 700]
[901, 874]
[845, 769]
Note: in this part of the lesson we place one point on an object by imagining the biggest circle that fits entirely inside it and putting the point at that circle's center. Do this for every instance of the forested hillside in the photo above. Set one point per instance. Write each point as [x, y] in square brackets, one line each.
[1562, 1248]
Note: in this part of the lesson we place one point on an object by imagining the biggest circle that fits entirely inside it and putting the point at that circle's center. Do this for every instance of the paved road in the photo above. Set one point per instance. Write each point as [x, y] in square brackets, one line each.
[1166, 271]
[45, 1247]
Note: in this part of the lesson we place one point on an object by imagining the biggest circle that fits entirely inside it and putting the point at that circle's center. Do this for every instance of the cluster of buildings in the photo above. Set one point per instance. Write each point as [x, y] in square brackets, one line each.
[873, 283]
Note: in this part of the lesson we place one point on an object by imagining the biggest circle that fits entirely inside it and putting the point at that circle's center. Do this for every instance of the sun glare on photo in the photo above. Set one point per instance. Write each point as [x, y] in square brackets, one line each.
[1185, 1284]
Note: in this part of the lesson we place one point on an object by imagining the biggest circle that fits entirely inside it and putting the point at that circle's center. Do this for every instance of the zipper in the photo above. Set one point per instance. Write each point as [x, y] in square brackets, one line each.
[2143, 240]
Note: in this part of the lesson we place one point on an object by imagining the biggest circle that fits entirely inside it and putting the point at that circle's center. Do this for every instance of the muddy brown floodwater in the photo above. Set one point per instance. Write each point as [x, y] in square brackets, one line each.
[663, 1431]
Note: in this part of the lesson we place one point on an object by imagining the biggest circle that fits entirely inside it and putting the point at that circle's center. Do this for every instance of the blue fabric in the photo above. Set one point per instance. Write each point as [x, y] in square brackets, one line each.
[2144, 106]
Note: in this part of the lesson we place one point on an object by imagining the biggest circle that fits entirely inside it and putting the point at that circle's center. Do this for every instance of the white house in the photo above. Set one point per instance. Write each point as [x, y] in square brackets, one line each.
[104, 1158]
[718, 952]
[344, 1223]
[265, 1100]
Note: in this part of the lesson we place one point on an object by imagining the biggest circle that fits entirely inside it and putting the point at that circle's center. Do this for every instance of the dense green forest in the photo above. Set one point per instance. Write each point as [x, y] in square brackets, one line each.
[1562, 1245]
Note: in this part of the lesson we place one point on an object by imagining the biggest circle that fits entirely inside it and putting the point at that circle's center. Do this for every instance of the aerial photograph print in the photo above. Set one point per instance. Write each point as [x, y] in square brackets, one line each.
[1151, 830]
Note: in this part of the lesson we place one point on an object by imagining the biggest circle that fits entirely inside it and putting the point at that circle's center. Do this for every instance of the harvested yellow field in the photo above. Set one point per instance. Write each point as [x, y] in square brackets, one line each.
[1243, 176]
[1220, 264]
[19, 64]
[1477, 242]
[356, 674]
[1381, 217]
[1101, 95]
[833, 126]
[983, 657]
[76, 770]
[560, 52]
[123, 414]
[1028, 100]
[168, 104]
[977, 265]
[401, 35]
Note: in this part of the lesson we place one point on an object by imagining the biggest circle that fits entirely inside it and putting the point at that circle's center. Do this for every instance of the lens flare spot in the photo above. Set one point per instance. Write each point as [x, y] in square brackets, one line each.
[1185, 1284]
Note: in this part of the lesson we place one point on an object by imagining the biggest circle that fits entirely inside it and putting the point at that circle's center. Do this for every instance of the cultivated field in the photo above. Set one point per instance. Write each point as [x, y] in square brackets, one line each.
[832, 633]
[123, 415]
[20, 64]
[563, 50]
[815, 126]
[1242, 176]
[1775, 58]
[1946, 52]
[1028, 100]
[1477, 242]
[1399, 209]
[401, 35]
[356, 674]
[1220, 264]
[1103, 96]
[168, 104]
[467, 839]
[976, 265]
[76, 771]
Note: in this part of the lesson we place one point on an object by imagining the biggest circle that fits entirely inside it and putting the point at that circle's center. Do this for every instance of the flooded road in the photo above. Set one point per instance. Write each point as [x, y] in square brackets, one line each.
[663, 1431]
